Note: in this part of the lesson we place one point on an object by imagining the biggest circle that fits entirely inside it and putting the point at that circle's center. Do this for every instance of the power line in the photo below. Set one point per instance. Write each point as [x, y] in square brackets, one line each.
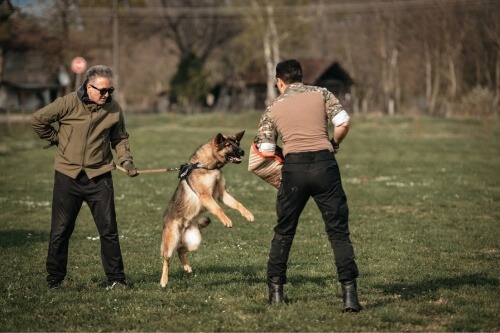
[330, 8]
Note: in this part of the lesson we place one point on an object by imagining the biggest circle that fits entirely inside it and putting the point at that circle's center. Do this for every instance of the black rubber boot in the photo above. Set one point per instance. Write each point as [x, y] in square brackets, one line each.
[275, 293]
[350, 296]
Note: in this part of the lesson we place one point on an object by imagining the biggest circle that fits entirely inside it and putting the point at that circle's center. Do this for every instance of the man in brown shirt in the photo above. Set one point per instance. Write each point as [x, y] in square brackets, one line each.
[300, 117]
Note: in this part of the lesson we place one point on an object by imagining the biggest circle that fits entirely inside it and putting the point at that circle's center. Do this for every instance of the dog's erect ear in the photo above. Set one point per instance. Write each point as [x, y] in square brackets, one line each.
[218, 139]
[239, 136]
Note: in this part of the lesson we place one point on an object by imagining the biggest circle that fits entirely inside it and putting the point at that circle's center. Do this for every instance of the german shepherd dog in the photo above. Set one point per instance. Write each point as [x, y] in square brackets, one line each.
[201, 182]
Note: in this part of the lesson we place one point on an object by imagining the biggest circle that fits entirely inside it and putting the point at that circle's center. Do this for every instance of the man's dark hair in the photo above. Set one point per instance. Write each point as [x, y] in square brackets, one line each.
[289, 71]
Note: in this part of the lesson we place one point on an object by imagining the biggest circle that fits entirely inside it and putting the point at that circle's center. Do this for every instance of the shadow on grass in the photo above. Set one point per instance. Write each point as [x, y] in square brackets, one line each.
[215, 274]
[409, 291]
[20, 237]
[320, 281]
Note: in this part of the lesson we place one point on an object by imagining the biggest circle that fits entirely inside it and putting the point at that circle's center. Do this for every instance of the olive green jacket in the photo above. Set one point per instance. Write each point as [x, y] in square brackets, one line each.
[85, 135]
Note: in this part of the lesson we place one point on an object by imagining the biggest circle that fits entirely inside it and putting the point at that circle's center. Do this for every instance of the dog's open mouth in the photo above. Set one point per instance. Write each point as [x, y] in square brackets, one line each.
[234, 159]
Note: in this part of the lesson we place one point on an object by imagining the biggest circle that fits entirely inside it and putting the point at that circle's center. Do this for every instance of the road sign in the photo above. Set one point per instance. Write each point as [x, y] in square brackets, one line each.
[78, 65]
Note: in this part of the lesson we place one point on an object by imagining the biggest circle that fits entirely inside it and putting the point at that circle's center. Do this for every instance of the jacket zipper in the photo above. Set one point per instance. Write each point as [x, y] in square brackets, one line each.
[86, 140]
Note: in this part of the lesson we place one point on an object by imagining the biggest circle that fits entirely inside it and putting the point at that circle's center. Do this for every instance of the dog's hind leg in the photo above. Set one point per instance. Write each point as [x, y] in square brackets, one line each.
[182, 256]
[191, 241]
[170, 241]
[164, 275]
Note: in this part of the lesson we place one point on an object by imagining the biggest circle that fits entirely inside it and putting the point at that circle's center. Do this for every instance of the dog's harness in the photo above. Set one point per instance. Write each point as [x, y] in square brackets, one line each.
[186, 169]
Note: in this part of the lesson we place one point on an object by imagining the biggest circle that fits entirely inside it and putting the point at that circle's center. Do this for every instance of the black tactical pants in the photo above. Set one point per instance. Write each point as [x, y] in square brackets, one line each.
[69, 195]
[316, 175]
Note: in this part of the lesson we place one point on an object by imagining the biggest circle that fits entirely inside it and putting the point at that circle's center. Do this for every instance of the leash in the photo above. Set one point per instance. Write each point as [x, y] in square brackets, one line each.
[149, 170]
[184, 169]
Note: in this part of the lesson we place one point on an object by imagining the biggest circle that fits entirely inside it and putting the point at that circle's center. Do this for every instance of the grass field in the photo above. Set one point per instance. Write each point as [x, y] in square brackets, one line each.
[424, 197]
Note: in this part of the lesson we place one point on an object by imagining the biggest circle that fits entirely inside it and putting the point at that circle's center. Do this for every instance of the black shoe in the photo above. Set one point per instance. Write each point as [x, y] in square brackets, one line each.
[116, 285]
[55, 284]
[276, 295]
[350, 296]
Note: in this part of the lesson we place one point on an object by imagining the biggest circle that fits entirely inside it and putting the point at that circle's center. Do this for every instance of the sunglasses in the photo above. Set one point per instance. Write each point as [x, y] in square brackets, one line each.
[103, 91]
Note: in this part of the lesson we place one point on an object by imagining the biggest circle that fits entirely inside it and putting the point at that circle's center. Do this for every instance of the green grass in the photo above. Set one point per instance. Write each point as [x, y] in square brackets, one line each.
[424, 199]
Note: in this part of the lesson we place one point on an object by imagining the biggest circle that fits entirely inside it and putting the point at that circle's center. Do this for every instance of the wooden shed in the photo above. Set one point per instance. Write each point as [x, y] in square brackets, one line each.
[251, 92]
[28, 82]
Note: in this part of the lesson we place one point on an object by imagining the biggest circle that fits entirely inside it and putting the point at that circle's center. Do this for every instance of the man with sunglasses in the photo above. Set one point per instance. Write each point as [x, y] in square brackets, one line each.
[90, 124]
[300, 116]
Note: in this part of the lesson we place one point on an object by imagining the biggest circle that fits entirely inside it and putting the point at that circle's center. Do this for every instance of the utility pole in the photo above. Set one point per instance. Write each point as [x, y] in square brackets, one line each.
[116, 51]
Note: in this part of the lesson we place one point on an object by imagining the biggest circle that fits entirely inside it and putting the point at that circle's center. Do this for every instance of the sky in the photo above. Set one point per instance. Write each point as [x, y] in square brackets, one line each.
[35, 7]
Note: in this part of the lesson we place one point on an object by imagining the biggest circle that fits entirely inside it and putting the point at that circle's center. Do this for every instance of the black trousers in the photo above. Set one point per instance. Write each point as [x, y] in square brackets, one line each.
[69, 195]
[316, 175]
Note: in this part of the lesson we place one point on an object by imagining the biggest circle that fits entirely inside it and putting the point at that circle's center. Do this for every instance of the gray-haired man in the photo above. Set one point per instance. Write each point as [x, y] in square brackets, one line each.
[90, 124]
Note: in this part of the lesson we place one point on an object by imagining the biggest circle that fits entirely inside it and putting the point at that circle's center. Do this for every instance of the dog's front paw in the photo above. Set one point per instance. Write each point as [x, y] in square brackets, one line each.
[227, 222]
[249, 217]
[187, 269]
[246, 214]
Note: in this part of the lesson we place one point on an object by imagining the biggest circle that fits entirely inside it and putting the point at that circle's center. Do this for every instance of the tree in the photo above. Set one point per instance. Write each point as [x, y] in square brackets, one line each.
[270, 42]
[189, 85]
[271, 31]
[6, 10]
[389, 53]
[419, 55]
[195, 35]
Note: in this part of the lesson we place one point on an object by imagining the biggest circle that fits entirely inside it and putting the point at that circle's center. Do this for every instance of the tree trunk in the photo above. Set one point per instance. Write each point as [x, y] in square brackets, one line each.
[266, 39]
[393, 89]
[428, 73]
[389, 56]
[350, 65]
[435, 88]
[1, 64]
[270, 45]
[453, 78]
[272, 56]
[385, 65]
[366, 101]
[497, 84]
